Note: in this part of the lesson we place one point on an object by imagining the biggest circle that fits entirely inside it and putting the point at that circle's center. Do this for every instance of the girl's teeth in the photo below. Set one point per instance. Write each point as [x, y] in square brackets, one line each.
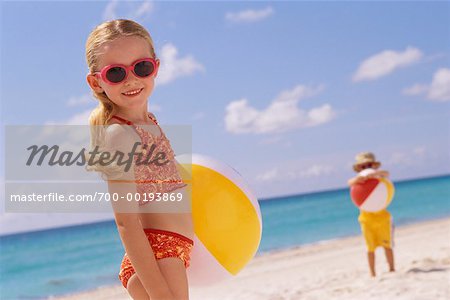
[133, 92]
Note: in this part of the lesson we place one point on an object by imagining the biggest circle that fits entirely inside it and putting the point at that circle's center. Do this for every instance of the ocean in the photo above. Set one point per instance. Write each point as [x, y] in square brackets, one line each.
[37, 265]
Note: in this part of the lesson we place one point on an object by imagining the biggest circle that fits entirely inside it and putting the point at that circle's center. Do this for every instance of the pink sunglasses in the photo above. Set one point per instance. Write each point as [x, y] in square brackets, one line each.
[116, 73]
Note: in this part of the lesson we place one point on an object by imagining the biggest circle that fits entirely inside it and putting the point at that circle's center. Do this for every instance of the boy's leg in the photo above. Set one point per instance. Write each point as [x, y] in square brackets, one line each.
[387, 238]
[371, 259]
[369, 236]
[390, 258]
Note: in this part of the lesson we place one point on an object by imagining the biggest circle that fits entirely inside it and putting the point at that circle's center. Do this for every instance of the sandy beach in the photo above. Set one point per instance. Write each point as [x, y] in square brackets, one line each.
[335, 270]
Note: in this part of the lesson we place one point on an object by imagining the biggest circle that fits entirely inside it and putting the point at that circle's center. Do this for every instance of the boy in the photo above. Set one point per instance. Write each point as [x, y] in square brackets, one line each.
[376, 227]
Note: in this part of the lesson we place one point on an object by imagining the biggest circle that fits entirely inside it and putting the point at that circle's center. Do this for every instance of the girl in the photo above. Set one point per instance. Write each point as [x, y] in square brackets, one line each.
[123, 66]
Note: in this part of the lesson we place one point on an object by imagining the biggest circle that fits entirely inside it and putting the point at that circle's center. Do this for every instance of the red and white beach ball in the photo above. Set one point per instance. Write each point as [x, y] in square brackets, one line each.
[374, 194]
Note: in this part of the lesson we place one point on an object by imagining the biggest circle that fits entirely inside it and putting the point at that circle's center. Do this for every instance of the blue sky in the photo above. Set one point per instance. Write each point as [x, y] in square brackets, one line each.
[285, 92]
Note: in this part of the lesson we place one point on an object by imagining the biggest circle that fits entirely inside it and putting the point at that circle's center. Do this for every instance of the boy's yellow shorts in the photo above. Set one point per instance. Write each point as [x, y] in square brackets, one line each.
[377, 229]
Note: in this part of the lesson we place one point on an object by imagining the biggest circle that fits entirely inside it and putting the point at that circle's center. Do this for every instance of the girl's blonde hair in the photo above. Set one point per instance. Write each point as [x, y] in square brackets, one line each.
[103, 33]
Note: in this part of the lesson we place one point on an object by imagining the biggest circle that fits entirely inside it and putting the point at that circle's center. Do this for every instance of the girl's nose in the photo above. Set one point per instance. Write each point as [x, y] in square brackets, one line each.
[131, 79]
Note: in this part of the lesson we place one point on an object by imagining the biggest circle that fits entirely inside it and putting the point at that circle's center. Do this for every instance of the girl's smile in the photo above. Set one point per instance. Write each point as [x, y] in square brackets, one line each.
[133, 93]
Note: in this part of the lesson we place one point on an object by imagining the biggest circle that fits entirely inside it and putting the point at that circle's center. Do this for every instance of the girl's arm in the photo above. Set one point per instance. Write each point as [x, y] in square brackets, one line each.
[128, 223]
[139, 250]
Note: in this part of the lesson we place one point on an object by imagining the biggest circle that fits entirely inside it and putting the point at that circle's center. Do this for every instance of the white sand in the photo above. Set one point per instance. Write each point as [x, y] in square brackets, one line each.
[336, 270]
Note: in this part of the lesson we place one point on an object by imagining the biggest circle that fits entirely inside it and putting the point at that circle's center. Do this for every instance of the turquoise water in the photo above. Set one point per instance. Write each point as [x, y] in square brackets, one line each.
[66, 260]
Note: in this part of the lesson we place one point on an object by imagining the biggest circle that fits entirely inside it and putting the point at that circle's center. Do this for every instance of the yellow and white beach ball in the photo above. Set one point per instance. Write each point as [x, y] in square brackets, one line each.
[372, 195]
[227, 220]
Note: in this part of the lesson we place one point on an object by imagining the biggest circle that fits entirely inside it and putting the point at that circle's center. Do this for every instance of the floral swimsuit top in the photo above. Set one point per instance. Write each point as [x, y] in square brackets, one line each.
[152, 178]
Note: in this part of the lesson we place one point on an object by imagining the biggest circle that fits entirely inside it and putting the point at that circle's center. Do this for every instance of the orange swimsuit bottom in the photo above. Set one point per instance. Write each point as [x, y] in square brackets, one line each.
[164, 244]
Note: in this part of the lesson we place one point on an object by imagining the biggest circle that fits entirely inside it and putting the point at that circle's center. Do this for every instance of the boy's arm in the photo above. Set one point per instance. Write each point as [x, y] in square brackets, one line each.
[379, 173]
[355, 180]
[383, 173]
[361, 179]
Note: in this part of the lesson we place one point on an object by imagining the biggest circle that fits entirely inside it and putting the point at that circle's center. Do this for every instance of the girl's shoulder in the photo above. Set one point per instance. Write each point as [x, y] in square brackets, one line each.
[118, 136]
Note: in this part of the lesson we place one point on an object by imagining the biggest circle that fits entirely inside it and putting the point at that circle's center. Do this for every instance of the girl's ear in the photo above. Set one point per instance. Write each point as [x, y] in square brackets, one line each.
[157, 68]
[94, 84]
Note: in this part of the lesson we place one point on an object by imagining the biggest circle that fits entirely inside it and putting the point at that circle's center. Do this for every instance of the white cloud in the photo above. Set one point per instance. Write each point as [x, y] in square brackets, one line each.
[110, 10]
[320, 115]
[415, 90]
[438, 90]
[2, 194]
[77, 119]
[399, 158]
[127, 9]
[270, 175]
[281, 115]
[407, 158]
[312, 171]
[316, 171]
[249, 16]
[173, 67]
[154, 107]
[386, 62]
[440, 86]
[81, 100]
[82, 118]
[271, 140]
[419, 151]
[198, 116]
[144, 9]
